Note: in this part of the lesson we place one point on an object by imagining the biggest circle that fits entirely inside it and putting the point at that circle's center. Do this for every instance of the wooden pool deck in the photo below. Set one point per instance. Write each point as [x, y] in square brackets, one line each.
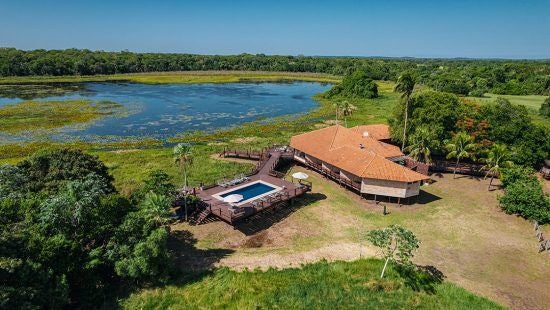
[264, 171]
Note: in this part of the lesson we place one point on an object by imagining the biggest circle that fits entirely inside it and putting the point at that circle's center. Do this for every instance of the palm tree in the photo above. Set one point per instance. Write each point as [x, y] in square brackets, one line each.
[405, 86]
[496, 160]
[183, 157]
[460, 146]
[157, 208]
[422, 141]
[338, 108]
[347, 109]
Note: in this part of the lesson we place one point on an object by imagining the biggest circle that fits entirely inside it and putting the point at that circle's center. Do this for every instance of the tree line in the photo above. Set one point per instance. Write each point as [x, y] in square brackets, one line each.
[500, 135]
[458, 76]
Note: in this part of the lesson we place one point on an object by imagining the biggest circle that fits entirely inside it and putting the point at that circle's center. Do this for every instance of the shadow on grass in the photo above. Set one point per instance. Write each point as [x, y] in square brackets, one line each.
[270, 217]
[421, 278]
[188, 257]
[467, 176]
[188, 265]
[424, 197]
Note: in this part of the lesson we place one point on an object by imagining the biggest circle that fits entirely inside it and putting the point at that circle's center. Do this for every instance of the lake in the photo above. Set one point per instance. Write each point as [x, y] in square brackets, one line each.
[163, 111]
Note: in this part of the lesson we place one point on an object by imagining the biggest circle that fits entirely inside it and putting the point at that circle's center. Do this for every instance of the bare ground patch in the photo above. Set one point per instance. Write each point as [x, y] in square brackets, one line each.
[236, 160]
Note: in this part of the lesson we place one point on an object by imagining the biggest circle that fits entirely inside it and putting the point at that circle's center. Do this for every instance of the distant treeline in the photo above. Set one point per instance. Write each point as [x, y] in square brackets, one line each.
[459, 76]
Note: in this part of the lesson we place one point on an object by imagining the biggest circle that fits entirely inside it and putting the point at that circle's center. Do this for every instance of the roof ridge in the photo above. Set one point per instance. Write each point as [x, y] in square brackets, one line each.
[334, 137]
[370, 162]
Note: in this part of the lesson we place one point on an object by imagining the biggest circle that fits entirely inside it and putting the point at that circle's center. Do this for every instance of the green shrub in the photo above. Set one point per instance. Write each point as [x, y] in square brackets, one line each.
[524, 196]
[477, 93]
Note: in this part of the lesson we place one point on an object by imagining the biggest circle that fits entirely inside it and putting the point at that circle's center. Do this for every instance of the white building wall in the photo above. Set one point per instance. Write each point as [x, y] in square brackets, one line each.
[390, 188]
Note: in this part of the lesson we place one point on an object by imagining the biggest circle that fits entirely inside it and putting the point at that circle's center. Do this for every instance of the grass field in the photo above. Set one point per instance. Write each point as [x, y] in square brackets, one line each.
[321, 285]
[532, 102]
[182, 77]
[38, 115]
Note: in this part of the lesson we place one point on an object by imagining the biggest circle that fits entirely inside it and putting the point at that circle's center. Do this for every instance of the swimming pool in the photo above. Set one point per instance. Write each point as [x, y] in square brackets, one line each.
[250, 191]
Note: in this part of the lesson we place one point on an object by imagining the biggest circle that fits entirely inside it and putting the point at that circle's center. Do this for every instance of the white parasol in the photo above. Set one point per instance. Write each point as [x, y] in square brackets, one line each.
[300, 175]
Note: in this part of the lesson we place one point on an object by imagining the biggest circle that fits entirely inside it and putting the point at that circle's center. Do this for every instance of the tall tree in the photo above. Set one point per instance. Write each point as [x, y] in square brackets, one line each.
[495, 161]
[183, 157]
[460, 146]
[396, 243]
[405, 86]
[422, 142]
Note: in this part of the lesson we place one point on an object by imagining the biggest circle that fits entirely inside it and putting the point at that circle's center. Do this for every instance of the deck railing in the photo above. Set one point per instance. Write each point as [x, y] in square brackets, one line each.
[333, 175]
[463, 168]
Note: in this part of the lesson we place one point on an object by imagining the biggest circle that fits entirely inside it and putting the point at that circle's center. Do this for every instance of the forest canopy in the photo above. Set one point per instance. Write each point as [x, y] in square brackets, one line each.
[68, 239]
[459, 76]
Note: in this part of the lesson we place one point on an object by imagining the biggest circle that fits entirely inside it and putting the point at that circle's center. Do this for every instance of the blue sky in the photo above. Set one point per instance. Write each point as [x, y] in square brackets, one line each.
[504, 29]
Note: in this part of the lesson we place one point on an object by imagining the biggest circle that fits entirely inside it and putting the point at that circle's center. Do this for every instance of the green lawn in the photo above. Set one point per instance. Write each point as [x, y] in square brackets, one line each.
[321, 285]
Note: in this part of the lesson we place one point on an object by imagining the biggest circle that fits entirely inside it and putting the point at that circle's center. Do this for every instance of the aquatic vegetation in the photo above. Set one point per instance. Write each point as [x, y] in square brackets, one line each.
[34, 91]
[34, 116]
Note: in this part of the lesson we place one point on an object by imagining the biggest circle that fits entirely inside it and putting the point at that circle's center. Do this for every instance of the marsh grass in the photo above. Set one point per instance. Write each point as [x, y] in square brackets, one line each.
[33, 91]
[181, 77]
[321, 285]
[34, 116]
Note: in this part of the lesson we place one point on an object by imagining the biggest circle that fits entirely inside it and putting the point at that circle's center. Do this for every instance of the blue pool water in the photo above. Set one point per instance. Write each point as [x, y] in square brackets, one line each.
[250, 191]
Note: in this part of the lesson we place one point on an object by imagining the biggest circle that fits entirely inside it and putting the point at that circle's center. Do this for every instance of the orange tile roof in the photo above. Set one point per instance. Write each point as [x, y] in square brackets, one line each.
[376, 131]
[340, 146]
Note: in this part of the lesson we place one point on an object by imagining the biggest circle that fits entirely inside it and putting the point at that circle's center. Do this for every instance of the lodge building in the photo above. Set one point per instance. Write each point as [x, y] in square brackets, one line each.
[360, 157]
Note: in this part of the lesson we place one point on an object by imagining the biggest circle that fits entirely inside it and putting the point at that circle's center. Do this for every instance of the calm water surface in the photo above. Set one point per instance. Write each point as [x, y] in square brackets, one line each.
[162, 111]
